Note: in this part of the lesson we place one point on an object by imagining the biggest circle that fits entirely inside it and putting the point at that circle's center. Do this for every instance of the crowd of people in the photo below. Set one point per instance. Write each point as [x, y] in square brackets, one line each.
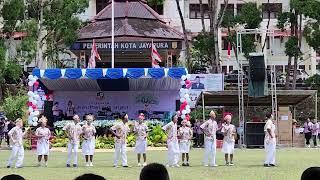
[311, 130]
[178, 141]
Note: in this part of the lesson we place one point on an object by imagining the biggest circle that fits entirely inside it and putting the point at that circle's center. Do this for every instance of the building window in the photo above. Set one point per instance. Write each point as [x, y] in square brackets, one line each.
[274, 8]
[230, 8]
[225, 43]
[230, 68]
[157, 8]
[100, 4]
[224, 69]
[239, 7]
[302, 67]
[194, 11]
[309, 67]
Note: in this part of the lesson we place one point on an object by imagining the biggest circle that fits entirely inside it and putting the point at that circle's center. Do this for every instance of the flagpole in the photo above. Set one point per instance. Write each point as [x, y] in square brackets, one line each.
[112, 34]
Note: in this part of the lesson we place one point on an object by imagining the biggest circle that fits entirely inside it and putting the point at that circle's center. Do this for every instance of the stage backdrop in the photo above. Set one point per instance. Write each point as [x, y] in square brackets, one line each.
[107, 102]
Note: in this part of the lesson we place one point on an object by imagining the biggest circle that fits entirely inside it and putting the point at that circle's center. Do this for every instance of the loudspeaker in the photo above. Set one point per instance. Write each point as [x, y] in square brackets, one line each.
[257, 67]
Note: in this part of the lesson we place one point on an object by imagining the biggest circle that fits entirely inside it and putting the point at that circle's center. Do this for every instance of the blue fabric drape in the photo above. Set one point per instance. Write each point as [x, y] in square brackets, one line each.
[36, 72]
[115, 73]
[73, 73]
[135, 73]
[176, 73]
[52, 73]
[156, 73]
[94, 73]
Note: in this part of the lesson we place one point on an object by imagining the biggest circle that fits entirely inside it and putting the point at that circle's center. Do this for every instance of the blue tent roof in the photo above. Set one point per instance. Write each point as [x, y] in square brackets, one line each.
[115, 73]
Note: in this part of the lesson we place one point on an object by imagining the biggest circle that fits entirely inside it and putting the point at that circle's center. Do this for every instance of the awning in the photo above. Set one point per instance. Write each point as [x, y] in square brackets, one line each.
[117, 79]
[230, 98]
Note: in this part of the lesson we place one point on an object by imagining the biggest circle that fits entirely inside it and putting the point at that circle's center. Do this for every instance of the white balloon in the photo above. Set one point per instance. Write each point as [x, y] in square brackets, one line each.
[36, 96]
[183, 116]
[181, 94]
[187, 107]
[184, 112]
[32, 114]
[188, 76]
[182, 90]
[30, 109]
[34, 124]
[188, 100]
[35, 119]
[33, 102]
[182, 83]
[30, 93]
[183, 77]
[36, 113]
[35, 78]
[30, 99]
[30, 77]
[182, 99]
[188, 111]
[30, 83]
[186, 96]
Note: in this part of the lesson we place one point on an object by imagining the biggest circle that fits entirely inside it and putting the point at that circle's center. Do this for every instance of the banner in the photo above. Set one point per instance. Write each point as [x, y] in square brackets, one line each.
[109, 103]
[204, 82]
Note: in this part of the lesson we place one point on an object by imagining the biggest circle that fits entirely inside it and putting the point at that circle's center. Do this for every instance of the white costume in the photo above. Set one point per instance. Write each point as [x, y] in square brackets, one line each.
[210, 128]
[43, 142]
[141, 138]
[88, 144]
[270, 143]
[228, 139]
[74, 131]
[172, 142]
[17, 151]
[120, 143]
[185, 134]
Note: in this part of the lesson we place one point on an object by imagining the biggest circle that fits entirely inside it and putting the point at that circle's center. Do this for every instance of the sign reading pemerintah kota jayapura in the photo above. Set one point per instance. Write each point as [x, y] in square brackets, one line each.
[121, 46]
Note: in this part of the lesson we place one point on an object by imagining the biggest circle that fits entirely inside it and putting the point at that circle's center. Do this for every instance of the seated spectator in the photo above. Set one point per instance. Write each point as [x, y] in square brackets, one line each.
[90, 177]
[154, 171]
[311, 173]
[12, 177]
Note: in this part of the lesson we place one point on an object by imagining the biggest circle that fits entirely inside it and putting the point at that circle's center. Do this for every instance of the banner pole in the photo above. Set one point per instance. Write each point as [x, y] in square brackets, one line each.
[112, 34]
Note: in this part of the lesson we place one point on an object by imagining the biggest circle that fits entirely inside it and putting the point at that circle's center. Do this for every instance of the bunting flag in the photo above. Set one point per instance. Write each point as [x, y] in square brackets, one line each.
[155, 56]
[229, 50]
[94, 55]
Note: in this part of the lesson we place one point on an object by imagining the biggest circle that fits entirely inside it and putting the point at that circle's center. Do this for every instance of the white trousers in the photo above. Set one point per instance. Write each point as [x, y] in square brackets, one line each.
[120, 150]
[270, 149]
[173, 153]
[17, 152]
[210, 152]
[72, 150]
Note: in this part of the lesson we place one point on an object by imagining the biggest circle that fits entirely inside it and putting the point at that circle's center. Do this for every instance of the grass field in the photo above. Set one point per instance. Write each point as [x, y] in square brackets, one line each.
[248, 166]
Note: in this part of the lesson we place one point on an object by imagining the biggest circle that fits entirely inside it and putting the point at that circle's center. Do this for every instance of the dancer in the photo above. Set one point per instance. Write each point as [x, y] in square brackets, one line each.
[185, 133]
[270, 141]
[17, 152]
[172, 142]
[141, 130]
[210, 128]
[73, 131]
[314, 130]
[43, 134]
[229, 132]
[120, 131]
[88, 145]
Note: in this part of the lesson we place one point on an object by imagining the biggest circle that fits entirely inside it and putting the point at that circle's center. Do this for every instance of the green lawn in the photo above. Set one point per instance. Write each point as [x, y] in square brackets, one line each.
[248, 165]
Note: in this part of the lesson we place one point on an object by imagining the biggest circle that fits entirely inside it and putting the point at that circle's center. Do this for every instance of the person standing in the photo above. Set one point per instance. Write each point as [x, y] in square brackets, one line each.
[210, 128]
[73, 131]
[172, 142]
[229, 133]
[88, 144]
[141, 130]
[17, 152]
[43, 134]
[270, 141]
[120, 131]
[315, 129]
[185, 133]
[11, 125]
[199, 134]
[307, 126]
[2, 129]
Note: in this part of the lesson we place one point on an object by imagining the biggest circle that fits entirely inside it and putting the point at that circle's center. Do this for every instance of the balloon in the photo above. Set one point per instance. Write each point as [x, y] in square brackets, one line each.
[182, 90]
[188, 76]
[182, 100]
[184, 112]
[183, 105]
[186, 96]
[36, 96]
[36, 83]
[183, 77]
[188, 82]
[188, 86]
[183, 116]
[34, 106]
[30, 77]
[30, 93]
[35, 78]
[188, 100]
[188, 111]
[29, 104]
[30, 83]
[188, 107]
[35, 119]
[30, 109]
[34, 102]
[34, 124]
[36, 113]
[182, 83]
[32, 114]
[188, 117]
[178, 113]
[30, 99]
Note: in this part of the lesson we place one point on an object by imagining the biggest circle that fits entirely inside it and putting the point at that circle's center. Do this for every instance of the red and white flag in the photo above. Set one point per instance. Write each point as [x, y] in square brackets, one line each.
[94, 55]
[229, 50]
[155, 56]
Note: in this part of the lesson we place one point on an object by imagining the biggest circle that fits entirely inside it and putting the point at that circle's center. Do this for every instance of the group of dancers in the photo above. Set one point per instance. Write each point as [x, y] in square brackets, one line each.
[178, 141]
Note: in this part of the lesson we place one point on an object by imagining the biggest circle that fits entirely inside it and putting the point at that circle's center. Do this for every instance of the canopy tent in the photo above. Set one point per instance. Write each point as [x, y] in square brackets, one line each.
[131, 79]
